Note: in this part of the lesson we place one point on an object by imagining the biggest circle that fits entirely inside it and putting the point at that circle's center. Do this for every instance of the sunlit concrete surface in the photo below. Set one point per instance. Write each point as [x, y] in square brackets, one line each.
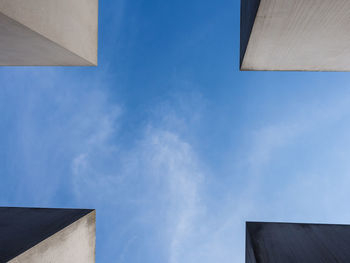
[297, 243]
[296, 35]
[47, 235]
[48, 32]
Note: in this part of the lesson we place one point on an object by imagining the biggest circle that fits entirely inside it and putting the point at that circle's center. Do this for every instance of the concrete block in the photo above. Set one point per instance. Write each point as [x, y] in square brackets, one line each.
[38, 235]
[295, 35]
[297, 243]
[48, 32]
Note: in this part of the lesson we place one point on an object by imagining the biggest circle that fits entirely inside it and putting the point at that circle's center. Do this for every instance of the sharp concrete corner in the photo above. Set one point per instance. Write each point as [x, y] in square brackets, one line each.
[48, 32]
[38, 235]
[298, 35]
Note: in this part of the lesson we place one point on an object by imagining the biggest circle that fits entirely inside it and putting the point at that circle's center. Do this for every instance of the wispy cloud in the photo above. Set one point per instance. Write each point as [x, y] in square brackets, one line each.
[160, 173]
[163, 180]
[174, 162]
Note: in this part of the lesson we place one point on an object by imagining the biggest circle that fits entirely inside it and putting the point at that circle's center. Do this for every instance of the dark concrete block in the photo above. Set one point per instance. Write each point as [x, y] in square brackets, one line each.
[297, 243]
[23, 228]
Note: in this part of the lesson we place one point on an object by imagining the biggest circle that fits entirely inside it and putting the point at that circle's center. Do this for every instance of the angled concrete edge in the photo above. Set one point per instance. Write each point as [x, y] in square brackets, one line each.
[249, 8]
[48, 32]
[41, 235]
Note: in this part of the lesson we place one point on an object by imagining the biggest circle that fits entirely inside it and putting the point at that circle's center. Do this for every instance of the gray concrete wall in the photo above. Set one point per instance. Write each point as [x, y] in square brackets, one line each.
[73, 244]
[301, 35]
[72, 25]
[22, 46]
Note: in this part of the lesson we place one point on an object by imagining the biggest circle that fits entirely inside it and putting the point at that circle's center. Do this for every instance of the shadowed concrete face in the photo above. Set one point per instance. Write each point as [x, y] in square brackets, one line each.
[297, 243]
[47, 235]
[299, 35]
[48, 32]
[249, 8]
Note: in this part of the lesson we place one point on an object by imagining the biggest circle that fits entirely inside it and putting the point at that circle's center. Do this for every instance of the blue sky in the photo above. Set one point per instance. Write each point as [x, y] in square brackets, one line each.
[170, 142]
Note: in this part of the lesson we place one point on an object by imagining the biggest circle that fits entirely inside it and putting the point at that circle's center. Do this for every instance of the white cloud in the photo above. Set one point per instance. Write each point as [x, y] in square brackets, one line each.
[173, 161]
[160, 173]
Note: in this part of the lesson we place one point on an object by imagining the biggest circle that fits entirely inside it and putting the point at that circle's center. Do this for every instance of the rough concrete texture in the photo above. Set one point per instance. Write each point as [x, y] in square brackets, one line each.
[297, 243]
[300, 35]
[73, 244]
[29, 234]
[53, 32]
[21, 46]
